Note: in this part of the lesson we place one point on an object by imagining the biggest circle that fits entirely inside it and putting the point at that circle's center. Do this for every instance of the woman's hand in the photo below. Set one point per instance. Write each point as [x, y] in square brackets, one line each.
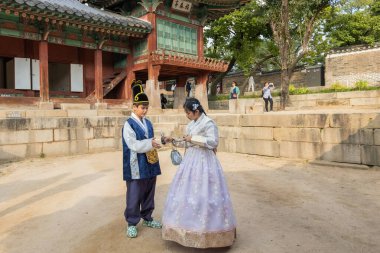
[187, 138]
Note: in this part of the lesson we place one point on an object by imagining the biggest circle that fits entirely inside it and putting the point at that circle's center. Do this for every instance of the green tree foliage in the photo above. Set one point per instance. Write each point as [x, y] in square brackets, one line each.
[283, 33]
[354, 22]
[244, 38]
[292, 23]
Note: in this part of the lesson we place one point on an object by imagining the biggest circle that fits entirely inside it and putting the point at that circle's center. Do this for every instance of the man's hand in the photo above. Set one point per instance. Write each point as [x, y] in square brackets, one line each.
[167, 139]
[155, 144]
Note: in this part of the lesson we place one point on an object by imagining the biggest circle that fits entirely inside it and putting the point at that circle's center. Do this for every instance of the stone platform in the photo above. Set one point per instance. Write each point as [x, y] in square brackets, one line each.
[338, 100]
[346, 136]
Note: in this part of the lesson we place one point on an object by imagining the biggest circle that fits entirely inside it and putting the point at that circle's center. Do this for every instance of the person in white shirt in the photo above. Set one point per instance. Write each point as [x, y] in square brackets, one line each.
[267, 96]
[172, 88]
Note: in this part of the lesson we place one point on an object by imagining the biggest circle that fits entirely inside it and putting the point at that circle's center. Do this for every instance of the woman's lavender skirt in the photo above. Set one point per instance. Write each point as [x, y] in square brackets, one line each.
[198, 211]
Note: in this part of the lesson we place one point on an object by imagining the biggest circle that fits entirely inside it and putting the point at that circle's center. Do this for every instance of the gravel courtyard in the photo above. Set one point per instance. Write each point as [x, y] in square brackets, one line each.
[75, 204]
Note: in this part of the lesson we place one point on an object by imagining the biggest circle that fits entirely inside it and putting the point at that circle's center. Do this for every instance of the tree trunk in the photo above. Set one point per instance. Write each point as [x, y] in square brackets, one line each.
[284, 38]
[285, 80]
[220, 76]
[244, 85]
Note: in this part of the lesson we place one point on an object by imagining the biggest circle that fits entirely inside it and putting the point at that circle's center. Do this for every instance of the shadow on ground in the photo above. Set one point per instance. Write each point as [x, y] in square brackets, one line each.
[281, 206]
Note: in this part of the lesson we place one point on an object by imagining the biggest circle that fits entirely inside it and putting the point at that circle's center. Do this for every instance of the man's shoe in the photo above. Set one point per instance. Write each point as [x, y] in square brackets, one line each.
[152, 224]
[131, 231]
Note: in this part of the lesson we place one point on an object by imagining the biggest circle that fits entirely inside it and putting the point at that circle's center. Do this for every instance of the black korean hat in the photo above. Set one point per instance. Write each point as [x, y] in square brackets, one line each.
[139, 96]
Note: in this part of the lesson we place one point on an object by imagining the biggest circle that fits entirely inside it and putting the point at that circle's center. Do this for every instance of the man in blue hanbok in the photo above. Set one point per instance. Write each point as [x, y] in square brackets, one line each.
[140, 164]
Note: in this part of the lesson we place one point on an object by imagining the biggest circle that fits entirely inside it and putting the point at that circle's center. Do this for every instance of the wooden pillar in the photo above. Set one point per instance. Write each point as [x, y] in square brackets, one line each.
[152, 36]
[131, 75]
[180, 92]
[44, 71]
[200, 42]
[156, 74]
[152, 44]
[152, 88]
[127, 85]
[181, 81]
[201, 89]
[98, 76]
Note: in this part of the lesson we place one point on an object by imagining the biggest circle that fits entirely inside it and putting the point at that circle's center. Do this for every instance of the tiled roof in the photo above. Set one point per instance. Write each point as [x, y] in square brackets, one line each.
[219, 2]
[354, 48]
[87, 13]
[209, 2]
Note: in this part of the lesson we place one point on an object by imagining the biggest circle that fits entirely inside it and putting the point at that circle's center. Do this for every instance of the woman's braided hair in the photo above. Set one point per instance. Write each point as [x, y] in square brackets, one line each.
[193, 104]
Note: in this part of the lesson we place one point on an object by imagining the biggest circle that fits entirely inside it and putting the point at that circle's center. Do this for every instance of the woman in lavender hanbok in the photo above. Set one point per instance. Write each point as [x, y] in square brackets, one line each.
[198, 211]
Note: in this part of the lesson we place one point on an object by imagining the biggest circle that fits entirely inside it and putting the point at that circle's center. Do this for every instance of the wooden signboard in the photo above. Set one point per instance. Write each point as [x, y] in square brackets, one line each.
[181, 5]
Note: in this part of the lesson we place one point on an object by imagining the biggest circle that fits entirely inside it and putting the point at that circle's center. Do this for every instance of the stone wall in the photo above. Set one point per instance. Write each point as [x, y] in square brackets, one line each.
[343, 65]
[26, 134]
[336, 137]
[349, 65]
[310, 77]
[351, 99]
[218, 105]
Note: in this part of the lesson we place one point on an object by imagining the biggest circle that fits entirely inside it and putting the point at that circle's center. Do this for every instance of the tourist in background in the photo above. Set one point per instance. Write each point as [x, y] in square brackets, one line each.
[163, 101]
[235, 91]
[188, 88]
[267, 96]
[218, 88]
[172, 88]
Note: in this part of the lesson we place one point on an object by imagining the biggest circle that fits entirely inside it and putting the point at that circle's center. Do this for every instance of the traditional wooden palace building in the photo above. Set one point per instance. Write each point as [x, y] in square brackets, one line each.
[70, 51]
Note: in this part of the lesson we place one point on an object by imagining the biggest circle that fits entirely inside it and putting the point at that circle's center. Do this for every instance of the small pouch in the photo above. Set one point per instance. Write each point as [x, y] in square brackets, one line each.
[152, 156]
[176, 157]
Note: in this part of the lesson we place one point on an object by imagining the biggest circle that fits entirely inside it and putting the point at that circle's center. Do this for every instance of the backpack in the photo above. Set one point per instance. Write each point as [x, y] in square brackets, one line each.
[234, 93]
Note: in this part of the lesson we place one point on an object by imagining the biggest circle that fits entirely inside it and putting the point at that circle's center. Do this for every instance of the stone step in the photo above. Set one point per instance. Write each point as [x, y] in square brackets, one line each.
[73, 106]
[32, 113]
[216, 111]
[114, 112]
[82, 113]
[63, 113]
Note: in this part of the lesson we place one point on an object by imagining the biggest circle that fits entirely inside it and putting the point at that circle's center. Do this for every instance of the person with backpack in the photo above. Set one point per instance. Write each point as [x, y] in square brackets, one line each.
[235, 91]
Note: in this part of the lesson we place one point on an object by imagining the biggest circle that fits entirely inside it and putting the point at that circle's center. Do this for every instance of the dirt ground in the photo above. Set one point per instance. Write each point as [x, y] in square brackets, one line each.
[75, 204]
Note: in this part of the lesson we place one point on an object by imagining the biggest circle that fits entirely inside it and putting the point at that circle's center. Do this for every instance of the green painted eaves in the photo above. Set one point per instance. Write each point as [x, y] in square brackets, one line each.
[76, 11]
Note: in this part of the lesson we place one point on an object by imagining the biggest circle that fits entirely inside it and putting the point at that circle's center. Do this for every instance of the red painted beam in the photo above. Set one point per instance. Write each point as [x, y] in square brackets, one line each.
[44, 71]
